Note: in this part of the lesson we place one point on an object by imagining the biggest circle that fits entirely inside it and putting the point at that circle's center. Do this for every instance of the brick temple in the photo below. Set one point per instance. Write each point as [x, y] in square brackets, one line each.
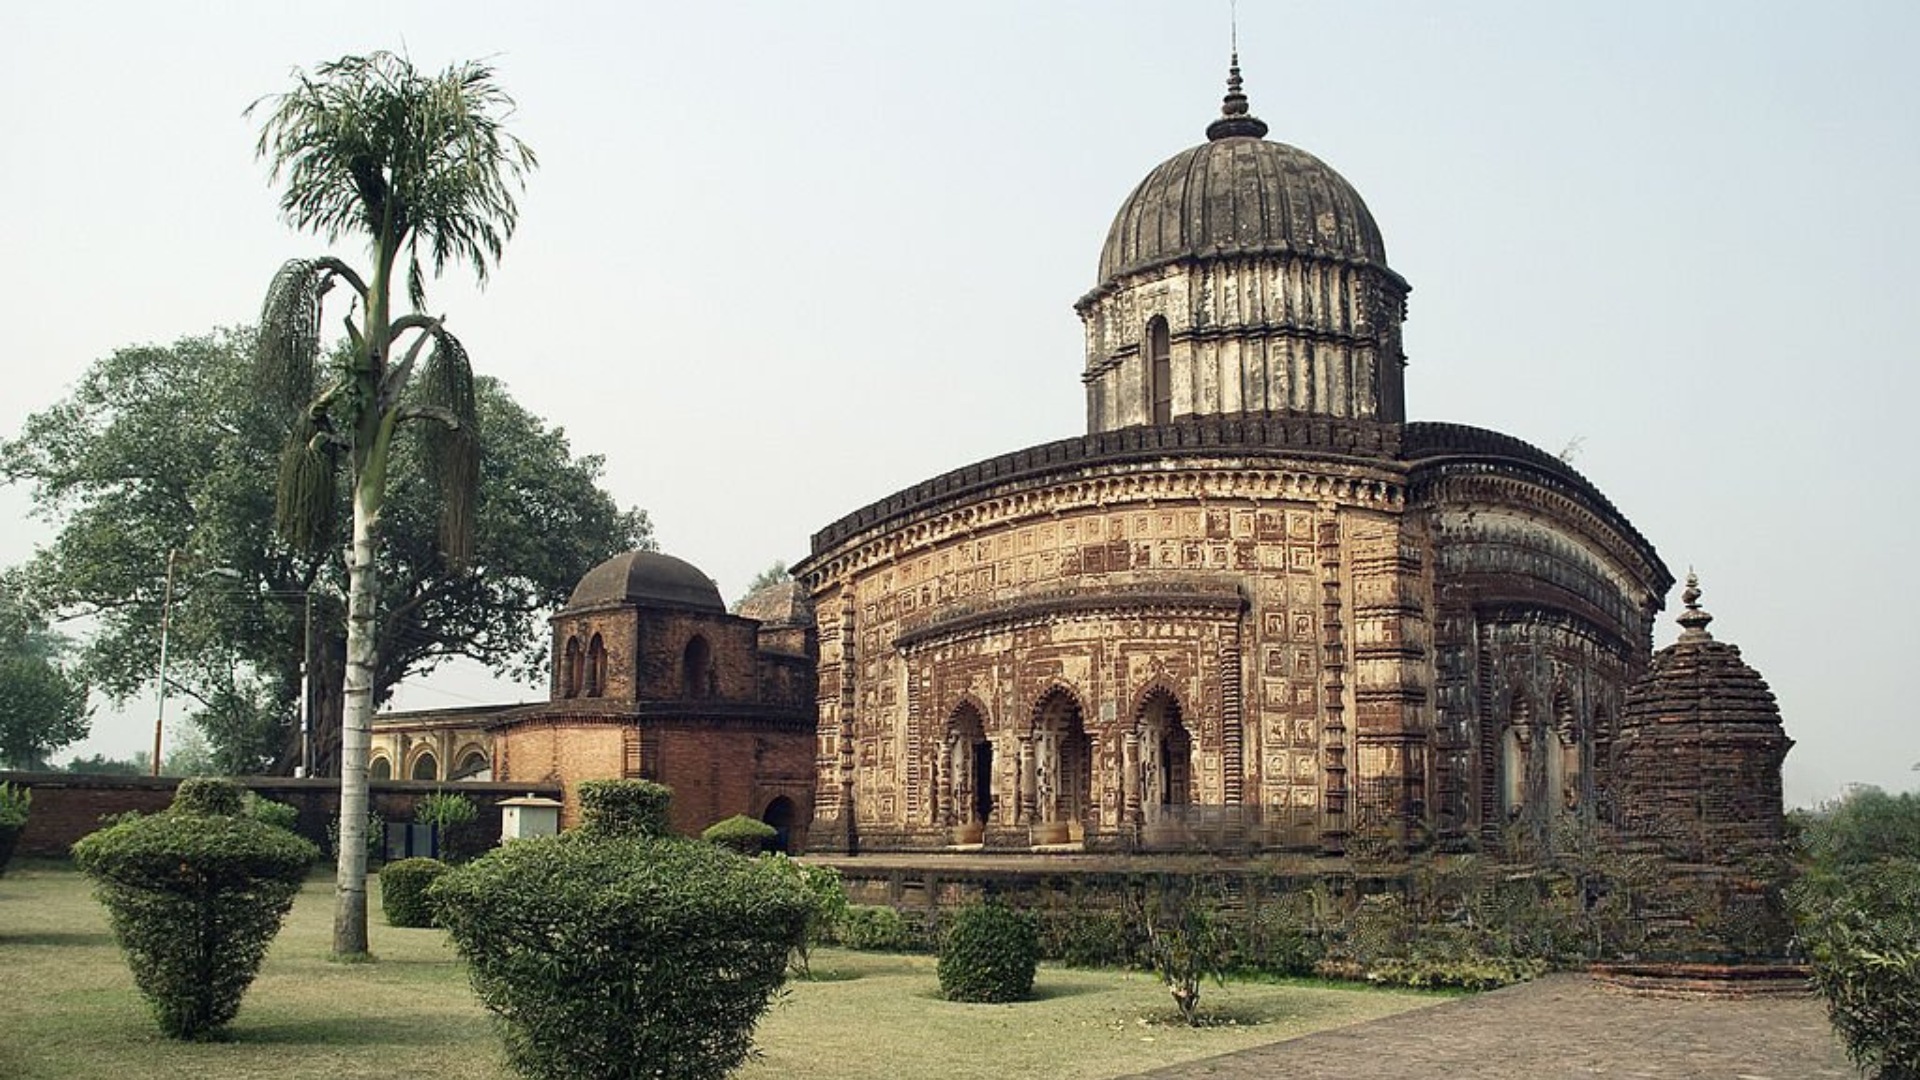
[1254, 608]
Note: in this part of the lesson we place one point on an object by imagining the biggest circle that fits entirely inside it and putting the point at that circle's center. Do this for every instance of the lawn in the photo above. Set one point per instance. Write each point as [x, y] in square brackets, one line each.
[69, 1010]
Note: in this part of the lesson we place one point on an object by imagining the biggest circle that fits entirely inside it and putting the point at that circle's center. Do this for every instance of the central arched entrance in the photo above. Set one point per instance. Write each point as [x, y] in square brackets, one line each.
[1166, 754]
[1063, 769]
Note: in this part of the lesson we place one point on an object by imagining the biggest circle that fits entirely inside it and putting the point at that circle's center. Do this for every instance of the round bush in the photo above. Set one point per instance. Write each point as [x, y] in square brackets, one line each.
[403, 891]
[990, 955]
[608, 957]
[195, 894]
[741, 833]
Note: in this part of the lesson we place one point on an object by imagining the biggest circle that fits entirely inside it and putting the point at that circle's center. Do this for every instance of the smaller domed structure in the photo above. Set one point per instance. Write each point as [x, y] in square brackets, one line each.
[1701, 745]
[646, 577]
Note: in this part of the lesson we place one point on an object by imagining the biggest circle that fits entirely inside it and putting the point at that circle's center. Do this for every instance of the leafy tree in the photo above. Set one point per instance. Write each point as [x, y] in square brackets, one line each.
[1181, 920]
[158, 448]
[1865, 825]
[42, 706]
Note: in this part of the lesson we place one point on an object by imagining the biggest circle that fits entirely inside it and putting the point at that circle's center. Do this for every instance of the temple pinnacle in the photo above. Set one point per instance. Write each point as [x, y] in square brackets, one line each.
[1234, 119]
[1694, 620]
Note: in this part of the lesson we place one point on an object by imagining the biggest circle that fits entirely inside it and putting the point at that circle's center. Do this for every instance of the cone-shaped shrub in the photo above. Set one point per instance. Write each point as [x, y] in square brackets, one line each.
[611, 952]
[195, 894]
[989, 955]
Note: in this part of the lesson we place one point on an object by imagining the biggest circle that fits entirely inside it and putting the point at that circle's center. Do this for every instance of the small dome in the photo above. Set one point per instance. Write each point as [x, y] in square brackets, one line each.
[1239, 194]
[778, 606]
[648, 578]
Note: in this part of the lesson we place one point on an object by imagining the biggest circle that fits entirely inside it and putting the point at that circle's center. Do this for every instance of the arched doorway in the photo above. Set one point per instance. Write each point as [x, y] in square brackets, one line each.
[1564, 780]
[1063, 769]
[970, 769]
[1166, 754]
[696, 669]
[779, 814]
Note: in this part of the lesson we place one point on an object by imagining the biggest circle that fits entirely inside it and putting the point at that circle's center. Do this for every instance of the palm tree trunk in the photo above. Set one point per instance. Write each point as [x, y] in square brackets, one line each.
[356, 727]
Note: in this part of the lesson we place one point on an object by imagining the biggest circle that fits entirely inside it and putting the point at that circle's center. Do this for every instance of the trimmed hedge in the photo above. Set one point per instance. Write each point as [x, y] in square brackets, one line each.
[741, 833]
[195, 894]
[608, 953]
[625, 807]
[989, 955]
[873, 928]
[403, 891]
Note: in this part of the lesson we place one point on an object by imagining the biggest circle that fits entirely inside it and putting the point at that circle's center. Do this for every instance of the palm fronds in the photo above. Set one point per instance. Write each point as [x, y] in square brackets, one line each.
[451, 441]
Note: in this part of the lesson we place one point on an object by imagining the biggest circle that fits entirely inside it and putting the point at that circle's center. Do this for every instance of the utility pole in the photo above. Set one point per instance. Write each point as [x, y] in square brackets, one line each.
[166, 617]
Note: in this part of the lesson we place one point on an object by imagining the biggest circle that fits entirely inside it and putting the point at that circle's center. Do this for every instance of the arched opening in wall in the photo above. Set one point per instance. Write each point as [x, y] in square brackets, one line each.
[779, 815]
[1513, 758]
[1159, 370]
[1166, 753]
[696, 669]
[472, 763]
[379, 768]
[570, 669]
[970, 773]
[1063, 769]
[1564, 783]
[596, 666]
[425, 767]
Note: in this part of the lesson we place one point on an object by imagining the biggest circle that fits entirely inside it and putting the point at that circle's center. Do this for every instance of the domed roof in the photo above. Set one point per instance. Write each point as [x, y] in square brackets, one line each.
[1240, 194]
[647, 577]
[779, 605]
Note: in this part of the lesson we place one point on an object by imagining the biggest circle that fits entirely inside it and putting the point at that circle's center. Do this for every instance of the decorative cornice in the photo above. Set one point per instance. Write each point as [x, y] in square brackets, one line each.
[1220, 600]
[1239, 457]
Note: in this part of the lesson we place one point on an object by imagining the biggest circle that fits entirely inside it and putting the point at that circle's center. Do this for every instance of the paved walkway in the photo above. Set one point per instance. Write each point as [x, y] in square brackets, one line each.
[1561, 1026]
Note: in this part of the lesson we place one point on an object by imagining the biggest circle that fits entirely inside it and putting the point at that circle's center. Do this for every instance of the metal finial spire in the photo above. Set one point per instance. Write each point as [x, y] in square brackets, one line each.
[1234, 119]
[1694, 620]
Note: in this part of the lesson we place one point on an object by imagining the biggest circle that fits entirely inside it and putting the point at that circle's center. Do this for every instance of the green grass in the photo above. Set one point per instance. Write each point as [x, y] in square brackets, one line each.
[68, 1010]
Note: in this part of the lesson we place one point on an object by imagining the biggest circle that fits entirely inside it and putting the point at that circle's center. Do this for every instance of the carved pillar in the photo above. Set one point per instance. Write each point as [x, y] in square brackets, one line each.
[959, 786]
[847, 703]
[1130, 776]
[1233, 727]
[1025, 781]
[1333, 666]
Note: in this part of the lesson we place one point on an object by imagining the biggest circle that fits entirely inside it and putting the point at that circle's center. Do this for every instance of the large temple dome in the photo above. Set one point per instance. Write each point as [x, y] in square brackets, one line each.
[1240, 195]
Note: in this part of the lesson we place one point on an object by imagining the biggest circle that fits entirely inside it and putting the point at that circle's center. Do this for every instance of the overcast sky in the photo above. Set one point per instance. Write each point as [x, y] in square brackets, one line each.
[781, 259]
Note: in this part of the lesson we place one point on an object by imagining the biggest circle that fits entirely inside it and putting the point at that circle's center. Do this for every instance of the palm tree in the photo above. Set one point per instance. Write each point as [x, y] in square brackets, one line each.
[369, 146]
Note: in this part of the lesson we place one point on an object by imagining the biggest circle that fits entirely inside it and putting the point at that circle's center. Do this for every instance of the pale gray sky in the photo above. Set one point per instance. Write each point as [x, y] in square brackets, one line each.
[784, 258]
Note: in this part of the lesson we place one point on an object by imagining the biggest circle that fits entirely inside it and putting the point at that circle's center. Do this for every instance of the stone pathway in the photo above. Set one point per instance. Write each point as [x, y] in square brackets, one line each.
[1562, 1026]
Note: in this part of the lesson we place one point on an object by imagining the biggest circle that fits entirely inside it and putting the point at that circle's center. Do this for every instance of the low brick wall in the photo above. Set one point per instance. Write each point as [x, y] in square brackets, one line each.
[68, 806]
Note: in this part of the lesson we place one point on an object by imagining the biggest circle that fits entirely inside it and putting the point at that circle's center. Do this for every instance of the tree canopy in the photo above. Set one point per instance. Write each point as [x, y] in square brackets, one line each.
[163, 448]
[42, 706]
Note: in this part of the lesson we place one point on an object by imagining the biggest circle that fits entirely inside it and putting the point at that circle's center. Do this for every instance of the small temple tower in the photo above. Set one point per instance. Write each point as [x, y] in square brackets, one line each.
[1700, 750]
